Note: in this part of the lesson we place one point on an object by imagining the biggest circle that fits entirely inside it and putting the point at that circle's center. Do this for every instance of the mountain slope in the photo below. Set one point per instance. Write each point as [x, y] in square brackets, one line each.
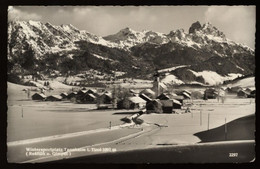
[37, 47]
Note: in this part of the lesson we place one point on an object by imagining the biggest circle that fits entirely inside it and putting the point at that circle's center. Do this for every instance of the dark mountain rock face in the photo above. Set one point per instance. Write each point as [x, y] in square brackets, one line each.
[38, 47]
[195, 26]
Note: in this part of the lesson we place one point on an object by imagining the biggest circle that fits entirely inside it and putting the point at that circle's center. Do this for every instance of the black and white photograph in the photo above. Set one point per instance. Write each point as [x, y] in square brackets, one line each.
[131, 84]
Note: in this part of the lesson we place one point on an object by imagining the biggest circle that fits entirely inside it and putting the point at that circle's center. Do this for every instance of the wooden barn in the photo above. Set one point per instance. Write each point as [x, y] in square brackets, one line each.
[252, 94]
[167, 106]
[81, 92]
[72, 95]
[87, 98]
[38, 96]
[210, 93]
[54, 98]
[169, 96]
[243, 94]
[106, 98]
[176, 104]
[64, 95]
[154, 106]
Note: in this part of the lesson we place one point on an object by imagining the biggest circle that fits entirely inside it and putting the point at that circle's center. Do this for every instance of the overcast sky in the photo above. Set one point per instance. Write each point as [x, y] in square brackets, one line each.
[237, 22]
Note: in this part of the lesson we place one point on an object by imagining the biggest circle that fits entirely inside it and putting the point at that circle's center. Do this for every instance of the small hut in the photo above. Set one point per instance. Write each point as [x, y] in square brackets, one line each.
[38, 96]
[54, 98]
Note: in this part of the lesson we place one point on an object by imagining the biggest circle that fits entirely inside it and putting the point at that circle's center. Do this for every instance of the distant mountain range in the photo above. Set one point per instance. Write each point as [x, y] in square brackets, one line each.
[194, 57]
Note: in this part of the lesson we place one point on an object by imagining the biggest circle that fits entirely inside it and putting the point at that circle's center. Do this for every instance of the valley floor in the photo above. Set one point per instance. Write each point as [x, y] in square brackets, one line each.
[64, 125]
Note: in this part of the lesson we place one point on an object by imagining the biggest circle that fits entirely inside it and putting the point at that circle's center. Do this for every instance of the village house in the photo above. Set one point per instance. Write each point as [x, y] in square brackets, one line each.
[168, 96]
[106, 98]
[88, 98]
[64, 95]
[167, 106]
[252, 94]
[72, 95]
[154, 106]
[233, 90]
[38, 96]
[243, 94]
[81, 92]
[131, 103]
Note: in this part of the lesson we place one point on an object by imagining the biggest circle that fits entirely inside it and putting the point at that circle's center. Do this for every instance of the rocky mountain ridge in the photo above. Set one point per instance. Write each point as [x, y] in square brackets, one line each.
[37, 46]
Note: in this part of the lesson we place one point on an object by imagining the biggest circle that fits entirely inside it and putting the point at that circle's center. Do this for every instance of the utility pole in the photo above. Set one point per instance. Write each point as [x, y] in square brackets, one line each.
[208, 121]
[22, 111]
[200, 117]
[225, 129]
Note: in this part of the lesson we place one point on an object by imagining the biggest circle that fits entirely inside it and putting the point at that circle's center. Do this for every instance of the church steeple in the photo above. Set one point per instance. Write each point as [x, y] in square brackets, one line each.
[156, 83]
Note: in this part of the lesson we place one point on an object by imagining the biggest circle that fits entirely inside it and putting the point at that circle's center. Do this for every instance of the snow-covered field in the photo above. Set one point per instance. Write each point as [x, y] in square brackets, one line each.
[28, 119]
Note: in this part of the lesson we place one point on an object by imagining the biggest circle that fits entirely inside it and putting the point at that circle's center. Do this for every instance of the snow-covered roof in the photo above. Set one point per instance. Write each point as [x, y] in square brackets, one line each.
[55, 96]
[176, 101]
[64, 93]
[83, 91]
[186, 94]
[144, 95]
[92, 90]
[40, 94]
[136, 99]
[91, 95]
[148, 91]
[108, 94]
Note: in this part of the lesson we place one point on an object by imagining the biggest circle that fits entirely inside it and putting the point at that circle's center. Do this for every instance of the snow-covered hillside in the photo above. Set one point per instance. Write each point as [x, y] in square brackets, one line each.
[213, 78]
[247, 82]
